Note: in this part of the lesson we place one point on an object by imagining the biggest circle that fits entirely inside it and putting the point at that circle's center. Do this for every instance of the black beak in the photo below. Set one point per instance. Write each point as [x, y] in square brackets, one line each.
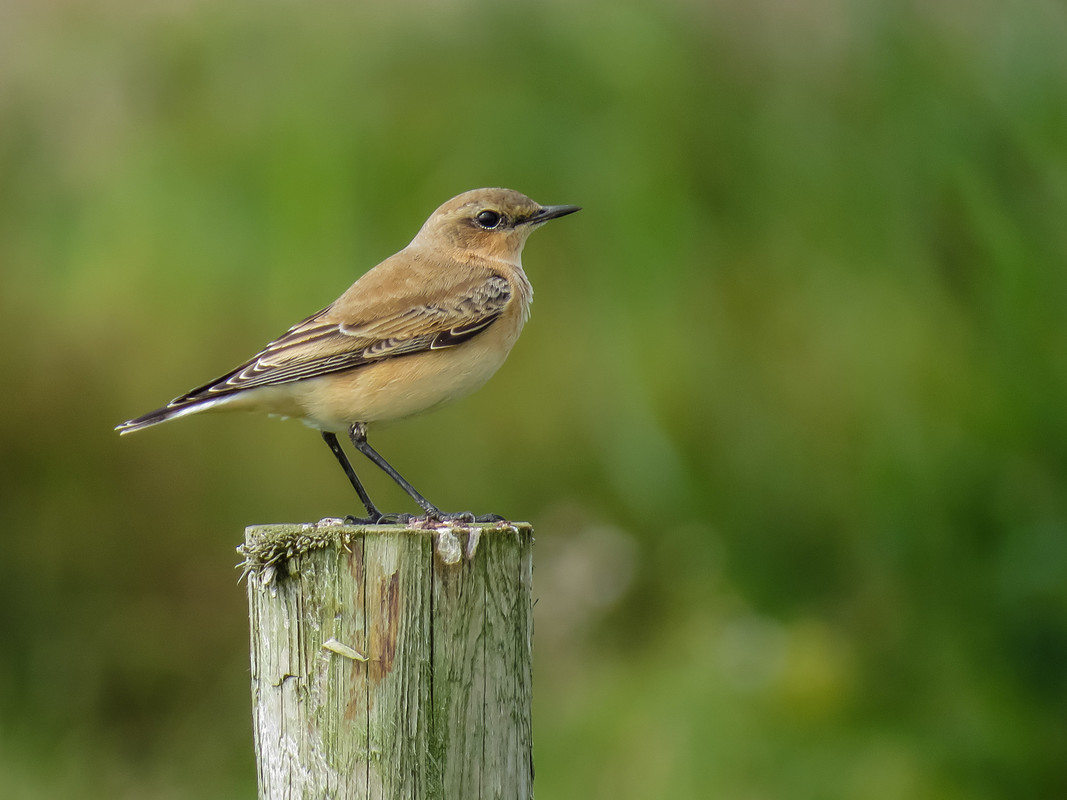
[551, 212]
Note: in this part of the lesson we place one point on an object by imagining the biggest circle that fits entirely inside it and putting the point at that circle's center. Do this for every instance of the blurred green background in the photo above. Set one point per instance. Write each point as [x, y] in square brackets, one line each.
[789, 415]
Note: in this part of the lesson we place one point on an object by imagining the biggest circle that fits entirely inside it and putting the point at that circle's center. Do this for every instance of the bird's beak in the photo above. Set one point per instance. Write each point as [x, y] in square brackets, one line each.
[551, 212]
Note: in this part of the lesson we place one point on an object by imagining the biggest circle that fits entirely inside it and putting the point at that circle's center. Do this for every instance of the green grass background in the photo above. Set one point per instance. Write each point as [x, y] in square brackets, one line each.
[789, 415]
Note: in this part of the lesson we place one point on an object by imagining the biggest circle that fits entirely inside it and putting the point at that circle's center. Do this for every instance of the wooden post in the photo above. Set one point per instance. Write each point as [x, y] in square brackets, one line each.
[391, 661]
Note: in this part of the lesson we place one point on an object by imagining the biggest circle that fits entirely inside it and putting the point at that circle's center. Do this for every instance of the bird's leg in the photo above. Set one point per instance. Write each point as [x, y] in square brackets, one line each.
[358, 434]
[373, 514]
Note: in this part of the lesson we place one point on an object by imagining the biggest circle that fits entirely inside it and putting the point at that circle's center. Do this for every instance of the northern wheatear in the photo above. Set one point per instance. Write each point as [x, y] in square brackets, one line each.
[426, 326]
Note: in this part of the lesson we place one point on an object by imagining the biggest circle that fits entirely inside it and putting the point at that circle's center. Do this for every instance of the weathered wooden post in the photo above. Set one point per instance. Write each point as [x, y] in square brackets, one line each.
[391, 661]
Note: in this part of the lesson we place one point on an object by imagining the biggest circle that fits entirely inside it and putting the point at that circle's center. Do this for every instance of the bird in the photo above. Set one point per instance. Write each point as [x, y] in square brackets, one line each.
[428, 325]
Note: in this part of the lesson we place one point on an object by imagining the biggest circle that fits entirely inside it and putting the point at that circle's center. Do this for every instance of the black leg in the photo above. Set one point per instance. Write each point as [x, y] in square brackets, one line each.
[358, 434]
[373, 514]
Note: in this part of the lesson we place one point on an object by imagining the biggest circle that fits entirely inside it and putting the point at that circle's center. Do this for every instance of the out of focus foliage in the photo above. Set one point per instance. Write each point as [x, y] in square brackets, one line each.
[790, 416]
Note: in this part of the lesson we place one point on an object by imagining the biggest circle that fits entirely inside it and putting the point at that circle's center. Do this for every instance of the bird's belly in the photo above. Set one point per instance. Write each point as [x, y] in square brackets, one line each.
[400, 387]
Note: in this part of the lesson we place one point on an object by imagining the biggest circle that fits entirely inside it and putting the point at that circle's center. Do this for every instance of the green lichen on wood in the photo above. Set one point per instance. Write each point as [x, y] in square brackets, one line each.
[266, 547]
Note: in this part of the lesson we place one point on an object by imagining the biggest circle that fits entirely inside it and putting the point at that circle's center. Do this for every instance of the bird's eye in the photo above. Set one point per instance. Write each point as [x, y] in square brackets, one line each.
[488, 219]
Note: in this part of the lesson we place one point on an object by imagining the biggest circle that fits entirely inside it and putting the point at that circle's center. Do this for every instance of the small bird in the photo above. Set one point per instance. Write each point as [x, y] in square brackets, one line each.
[428, 325]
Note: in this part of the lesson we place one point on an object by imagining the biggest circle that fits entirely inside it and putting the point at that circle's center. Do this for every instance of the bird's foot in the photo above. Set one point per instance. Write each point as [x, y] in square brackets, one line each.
[351, 519]
[430, 518]
[395, 519]
[487, 519]
[464, 517]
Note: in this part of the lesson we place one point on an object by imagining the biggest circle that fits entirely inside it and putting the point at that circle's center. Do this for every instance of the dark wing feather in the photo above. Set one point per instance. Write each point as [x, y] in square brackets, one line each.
[320, 346]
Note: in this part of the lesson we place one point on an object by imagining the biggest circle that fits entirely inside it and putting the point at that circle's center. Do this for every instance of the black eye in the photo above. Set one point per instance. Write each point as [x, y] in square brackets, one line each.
[488, 219]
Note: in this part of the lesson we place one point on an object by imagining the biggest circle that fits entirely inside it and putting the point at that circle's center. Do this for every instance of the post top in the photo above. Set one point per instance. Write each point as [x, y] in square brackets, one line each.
[268, 546]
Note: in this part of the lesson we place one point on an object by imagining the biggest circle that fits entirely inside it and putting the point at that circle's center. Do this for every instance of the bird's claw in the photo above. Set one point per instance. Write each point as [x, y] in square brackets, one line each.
[351, 519]
[466, 517]
[461, 517]
[395, 519]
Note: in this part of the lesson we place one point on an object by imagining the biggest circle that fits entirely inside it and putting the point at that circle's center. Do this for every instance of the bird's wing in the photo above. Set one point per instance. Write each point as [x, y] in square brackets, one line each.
[368, 324]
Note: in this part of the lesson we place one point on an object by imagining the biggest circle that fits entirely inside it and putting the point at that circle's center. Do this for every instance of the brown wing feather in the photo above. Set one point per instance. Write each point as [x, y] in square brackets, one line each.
[347, 335]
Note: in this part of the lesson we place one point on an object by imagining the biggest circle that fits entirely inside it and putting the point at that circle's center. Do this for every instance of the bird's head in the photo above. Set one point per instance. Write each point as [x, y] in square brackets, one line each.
[493, 223]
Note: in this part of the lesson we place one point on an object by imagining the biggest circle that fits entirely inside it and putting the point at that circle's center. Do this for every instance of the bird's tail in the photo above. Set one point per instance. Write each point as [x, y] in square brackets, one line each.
[174, 409]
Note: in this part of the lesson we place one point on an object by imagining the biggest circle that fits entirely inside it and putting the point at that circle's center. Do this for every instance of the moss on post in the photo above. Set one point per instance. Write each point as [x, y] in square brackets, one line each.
[391, 661]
